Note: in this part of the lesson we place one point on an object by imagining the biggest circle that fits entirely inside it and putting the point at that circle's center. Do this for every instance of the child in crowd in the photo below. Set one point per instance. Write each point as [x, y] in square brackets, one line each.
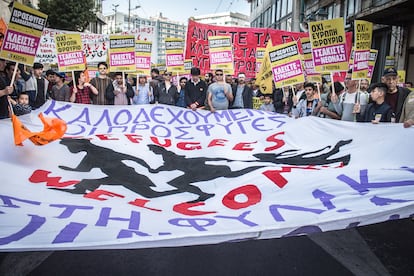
[22, 106]
[267, 103]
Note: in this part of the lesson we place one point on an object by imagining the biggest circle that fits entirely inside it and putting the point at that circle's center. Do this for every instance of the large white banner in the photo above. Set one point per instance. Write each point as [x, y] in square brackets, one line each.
[157, 175]
[94, 46]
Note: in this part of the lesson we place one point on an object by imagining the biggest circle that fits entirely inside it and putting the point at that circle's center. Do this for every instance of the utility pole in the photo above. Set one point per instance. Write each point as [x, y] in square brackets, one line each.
[115, 10]
[129, 13]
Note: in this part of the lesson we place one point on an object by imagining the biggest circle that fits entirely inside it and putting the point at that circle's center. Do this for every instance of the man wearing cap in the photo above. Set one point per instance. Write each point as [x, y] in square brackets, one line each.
[396, 95]
[36, 85]
[195, 90]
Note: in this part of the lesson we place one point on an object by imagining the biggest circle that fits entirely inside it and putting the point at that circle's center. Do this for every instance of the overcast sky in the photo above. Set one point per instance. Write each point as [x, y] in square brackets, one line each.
[177, 10]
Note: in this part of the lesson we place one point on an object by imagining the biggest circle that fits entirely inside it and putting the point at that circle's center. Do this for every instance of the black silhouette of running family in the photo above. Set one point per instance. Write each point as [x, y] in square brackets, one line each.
[194, 170]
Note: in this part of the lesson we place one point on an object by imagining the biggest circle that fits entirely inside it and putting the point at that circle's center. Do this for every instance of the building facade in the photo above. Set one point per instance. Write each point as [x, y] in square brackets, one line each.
[224, 19]
[94, 27]
[393, 33]
[118, 22]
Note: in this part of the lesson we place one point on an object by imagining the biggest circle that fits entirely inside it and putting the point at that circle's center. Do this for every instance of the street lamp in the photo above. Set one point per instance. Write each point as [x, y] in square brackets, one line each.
[129, 12]
[115, 10]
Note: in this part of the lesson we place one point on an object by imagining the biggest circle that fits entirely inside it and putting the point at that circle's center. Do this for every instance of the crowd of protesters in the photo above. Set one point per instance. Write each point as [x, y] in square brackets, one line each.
[352, 100]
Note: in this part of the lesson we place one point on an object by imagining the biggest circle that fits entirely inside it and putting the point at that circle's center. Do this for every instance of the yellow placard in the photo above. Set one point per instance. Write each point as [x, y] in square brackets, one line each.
[389, 62]
[122, 53]
[174, 54]
[264, 77]
[143, 50]
[69, 52]
[371, 64]
[328, 45]
[362, 47]
[257, 102]
[23, 34]
[401, 76]
[260, 54]
[310, 74]
[221, 54]
[286, 63]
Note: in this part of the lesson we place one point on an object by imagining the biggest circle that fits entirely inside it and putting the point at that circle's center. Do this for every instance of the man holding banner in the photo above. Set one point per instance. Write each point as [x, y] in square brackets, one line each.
[101, 82]
[242, 93]
[36, 85]
[309, 106]
[396, 95]
[219, 93]
[5, 90]
[195, 90]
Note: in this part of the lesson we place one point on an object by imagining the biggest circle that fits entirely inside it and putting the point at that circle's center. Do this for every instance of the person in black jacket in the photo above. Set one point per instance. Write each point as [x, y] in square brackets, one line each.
[396, 95]
[242, 93]
[166, 92]
[195, 90]
[378, 110]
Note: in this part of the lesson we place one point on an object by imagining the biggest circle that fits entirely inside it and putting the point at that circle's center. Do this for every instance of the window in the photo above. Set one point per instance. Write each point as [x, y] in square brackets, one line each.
[283, 8]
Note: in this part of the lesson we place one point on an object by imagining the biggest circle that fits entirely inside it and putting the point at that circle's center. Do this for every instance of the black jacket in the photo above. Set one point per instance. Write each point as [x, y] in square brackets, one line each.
[402, 94]
[278, 100]
[374, 109]
[162, 96]
[247, 96]
[195, 93]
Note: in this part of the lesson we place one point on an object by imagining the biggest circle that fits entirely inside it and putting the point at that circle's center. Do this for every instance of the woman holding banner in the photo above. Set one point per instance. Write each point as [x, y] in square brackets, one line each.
[82, 90]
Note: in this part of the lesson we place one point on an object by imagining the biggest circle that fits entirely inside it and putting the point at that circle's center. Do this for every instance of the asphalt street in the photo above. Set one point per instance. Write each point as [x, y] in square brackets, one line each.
[381, 249]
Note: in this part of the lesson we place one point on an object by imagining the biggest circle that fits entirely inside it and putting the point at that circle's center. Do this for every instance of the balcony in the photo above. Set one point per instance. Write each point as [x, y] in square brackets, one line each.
[394, 12]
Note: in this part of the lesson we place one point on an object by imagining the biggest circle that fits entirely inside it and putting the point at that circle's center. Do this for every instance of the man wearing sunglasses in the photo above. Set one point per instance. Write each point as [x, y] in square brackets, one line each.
[219, 93]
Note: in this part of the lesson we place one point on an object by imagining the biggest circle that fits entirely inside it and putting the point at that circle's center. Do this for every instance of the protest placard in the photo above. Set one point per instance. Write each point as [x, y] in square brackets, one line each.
[221, 53]
[122, 53]
[286, 64]
[23, 34]
[174, 54]
[362, 47]
[143, 50]
[328, 43]
[69, 52]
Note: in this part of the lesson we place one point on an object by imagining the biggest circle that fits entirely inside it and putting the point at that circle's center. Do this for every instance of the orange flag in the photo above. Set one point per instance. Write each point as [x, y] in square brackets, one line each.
[53, 129]
[3, 29]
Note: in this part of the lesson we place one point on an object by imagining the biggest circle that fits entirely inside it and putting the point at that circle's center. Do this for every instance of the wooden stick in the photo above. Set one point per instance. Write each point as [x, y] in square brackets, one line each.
[14, 74]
